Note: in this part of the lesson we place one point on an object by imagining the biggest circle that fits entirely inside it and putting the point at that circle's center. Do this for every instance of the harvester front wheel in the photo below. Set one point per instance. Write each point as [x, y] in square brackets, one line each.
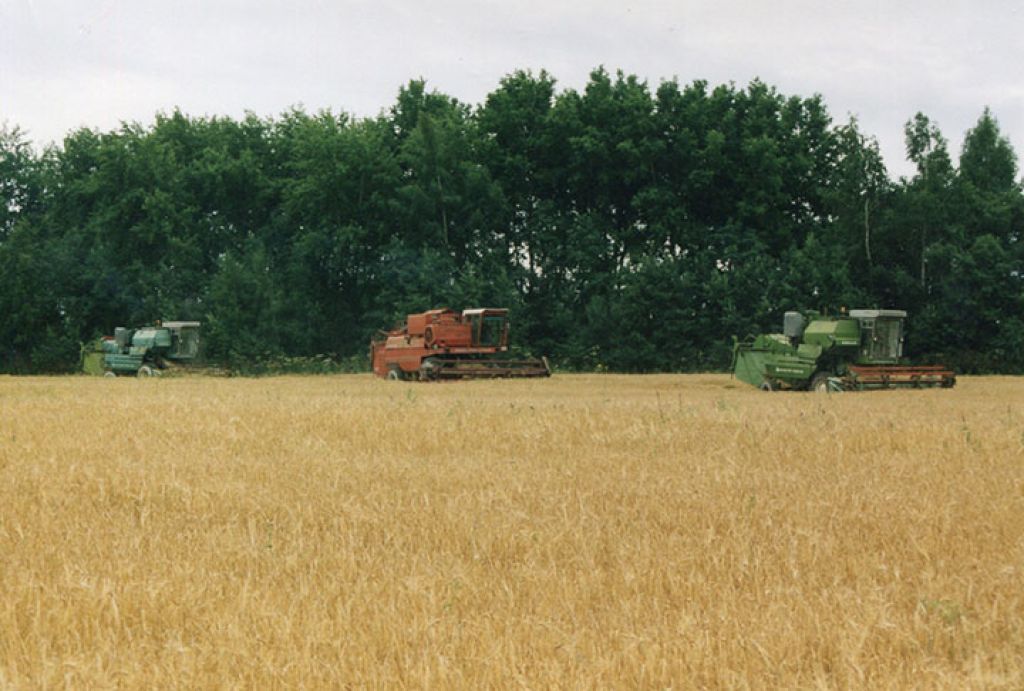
[769, 385]
[394, 374]
[819, 383]
[428, 369]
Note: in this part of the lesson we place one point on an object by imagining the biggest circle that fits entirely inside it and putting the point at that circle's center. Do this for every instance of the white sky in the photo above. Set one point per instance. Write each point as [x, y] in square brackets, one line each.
[66, 63]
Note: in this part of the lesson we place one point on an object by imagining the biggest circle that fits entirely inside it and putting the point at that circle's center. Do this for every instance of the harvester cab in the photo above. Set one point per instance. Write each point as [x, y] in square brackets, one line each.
[859, 350]
[881, 340]
[488, 327]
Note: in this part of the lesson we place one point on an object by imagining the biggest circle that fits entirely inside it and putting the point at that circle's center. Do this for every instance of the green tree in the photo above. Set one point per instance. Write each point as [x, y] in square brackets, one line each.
[20, 190]
[927, 193]
[856, 189]
[241, 325]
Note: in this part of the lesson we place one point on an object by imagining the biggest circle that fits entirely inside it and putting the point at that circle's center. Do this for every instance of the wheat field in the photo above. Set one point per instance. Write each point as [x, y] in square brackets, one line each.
[590, 531]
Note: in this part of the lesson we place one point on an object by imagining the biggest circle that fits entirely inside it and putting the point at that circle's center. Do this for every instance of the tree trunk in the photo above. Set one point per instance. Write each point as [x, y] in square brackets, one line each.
[444, 214]
[924, 244]
[867, 232]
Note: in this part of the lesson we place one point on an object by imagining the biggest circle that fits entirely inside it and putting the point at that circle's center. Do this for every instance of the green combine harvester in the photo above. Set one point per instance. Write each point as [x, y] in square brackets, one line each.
[144, 352]
[861, 350]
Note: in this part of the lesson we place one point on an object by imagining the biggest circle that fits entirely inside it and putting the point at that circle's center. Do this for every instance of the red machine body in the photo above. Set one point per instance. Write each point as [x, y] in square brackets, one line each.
[447, 344]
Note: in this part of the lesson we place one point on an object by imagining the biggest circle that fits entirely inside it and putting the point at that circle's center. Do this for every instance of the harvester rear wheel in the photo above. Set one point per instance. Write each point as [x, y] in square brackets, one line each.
[768, 385]
[111, 374]
[144, 371]
[394, 374]
[819, 383]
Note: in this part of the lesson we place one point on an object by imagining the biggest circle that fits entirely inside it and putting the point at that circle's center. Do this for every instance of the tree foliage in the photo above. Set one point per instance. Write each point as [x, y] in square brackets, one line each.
[627, 227]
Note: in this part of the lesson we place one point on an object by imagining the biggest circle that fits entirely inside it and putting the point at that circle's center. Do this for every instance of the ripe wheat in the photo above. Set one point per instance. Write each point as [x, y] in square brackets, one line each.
[583, 531]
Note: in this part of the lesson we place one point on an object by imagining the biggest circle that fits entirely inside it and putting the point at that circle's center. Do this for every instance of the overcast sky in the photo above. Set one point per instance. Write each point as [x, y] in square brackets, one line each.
[66, 64]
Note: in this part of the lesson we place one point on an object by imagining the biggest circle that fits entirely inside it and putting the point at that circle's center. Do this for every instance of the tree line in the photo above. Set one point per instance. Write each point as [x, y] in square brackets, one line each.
[628, 228]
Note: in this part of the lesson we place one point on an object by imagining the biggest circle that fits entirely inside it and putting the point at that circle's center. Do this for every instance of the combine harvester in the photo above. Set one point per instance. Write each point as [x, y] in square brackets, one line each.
[144, 352]
[446, 344]
[862, 350]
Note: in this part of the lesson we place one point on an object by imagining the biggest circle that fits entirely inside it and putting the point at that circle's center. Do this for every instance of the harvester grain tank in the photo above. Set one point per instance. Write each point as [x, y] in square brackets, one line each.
[447, 344]
[145, 352]
[859, 350]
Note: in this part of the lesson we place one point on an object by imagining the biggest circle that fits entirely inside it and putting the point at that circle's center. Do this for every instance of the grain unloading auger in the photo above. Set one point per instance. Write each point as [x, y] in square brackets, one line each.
[446, 344]
[862, 350]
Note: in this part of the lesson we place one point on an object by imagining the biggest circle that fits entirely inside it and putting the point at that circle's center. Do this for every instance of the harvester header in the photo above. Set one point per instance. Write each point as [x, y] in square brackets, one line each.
[447, 344]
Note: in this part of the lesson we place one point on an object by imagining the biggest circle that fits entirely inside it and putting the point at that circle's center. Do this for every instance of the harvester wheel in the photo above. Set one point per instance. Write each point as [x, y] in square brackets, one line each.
[108, 373]
[394, 374]
[430, 368]
[769, 385]
[144, 371]
[819, 383]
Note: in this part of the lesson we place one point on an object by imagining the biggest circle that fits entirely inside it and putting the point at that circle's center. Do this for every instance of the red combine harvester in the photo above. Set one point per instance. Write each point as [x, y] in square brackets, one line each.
[446, 344]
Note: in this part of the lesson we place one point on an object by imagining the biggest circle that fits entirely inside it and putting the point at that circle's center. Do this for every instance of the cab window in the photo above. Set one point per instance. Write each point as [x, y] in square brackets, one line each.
[491, 331]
